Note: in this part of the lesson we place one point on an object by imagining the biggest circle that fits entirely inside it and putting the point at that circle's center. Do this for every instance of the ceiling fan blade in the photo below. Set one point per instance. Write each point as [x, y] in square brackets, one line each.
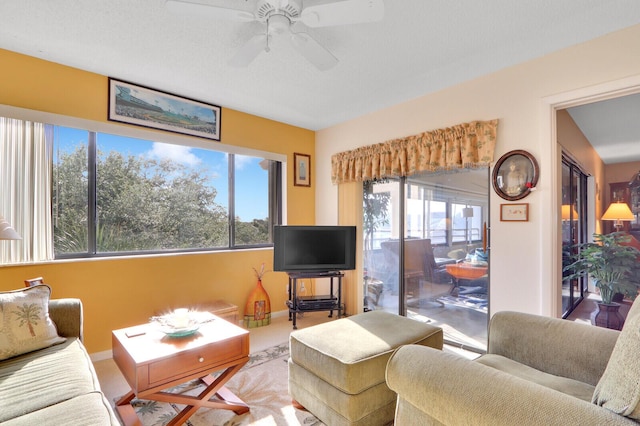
[313, 51]
[247, 53]
[208, 11]
[278, 4]
[343, 12]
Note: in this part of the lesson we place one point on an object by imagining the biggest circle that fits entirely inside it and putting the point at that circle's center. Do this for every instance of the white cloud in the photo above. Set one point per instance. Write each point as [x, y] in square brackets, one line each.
[177, 153]
[242, 161]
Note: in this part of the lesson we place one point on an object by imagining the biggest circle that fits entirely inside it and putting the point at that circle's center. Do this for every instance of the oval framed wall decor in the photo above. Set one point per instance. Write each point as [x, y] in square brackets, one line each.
[515, 175]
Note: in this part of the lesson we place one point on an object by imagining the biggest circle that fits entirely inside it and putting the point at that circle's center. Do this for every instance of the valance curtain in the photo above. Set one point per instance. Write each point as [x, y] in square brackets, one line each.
[468, 145]
[25, 190]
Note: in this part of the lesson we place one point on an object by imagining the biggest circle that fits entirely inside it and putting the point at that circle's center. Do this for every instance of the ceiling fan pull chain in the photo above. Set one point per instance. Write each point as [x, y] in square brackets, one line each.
[267, 48]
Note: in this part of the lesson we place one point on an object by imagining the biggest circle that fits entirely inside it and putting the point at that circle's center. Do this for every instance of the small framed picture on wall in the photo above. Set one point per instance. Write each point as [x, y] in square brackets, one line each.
[514, 212]
[301, 169]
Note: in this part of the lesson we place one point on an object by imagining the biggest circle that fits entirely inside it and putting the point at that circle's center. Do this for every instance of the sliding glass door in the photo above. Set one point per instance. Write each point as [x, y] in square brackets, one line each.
[425, 251]
[381, 204]
[574, 229]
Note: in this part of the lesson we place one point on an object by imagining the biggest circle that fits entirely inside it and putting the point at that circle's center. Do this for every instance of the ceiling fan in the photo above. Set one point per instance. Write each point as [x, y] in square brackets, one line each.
[280, 17]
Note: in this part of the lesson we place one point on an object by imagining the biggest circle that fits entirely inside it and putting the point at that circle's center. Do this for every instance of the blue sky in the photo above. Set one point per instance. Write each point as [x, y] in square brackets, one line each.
[251, 180]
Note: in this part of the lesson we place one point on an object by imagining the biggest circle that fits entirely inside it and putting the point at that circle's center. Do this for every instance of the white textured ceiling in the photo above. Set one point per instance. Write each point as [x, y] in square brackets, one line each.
[612, 127]
[420, 46]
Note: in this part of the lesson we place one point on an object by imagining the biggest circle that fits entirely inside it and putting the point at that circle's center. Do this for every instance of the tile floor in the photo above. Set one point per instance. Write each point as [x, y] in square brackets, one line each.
[583, 312]
[114, 385]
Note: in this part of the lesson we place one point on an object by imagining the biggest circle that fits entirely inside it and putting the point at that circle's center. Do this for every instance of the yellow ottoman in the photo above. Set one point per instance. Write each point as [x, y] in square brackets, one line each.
[336, 369]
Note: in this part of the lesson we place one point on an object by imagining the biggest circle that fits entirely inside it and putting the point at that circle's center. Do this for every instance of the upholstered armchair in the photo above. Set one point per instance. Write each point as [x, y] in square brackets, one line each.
[538, 371]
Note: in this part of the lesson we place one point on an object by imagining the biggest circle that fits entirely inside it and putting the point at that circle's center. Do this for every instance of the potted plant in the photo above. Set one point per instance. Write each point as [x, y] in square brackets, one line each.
[613, 267]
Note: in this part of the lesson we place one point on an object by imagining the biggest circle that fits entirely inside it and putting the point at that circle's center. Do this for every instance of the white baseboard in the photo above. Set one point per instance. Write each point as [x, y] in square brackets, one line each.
[101, 356]
[279, 314]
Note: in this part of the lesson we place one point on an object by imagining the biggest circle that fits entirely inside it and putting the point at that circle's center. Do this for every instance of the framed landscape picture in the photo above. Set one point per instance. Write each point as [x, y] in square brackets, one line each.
[143, 106]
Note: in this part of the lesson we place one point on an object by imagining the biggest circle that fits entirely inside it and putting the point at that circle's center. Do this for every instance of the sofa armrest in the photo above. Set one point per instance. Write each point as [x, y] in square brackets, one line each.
[452, 390]
[67, 315]
[559, 347]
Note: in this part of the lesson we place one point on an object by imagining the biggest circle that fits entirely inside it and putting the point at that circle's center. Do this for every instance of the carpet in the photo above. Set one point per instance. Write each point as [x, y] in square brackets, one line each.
[477, 302]
[262, 384]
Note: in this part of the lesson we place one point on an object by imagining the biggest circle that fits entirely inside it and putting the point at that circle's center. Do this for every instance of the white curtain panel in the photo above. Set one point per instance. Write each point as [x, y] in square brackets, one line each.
[25, 190]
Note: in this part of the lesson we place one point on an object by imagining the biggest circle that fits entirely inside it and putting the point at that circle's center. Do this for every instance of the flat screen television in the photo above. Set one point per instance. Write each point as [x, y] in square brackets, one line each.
[314, 248]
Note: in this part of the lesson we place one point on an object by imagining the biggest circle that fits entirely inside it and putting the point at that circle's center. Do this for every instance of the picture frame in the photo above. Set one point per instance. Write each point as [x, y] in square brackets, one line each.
[143, 106]
[301, 169]
[514, 212]
[33, 282]
[515, 175]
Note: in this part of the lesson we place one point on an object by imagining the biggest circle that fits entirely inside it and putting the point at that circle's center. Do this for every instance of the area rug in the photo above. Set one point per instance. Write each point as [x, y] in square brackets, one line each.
[262, 384]
[477, 302]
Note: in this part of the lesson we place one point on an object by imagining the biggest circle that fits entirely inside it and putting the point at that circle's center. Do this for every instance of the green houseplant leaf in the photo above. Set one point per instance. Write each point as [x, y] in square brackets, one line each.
[611, 264]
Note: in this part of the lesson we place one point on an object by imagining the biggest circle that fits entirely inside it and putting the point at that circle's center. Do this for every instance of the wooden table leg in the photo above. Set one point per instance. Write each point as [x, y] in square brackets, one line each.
[226, 400]
[125, 410]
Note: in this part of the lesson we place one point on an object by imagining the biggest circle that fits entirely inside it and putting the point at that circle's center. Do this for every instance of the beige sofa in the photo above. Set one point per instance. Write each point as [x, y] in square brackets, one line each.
[538, 371]
[56, 385]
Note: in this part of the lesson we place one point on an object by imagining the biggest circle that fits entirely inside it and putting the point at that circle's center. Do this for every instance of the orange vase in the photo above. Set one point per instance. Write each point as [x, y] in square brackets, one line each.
[257, 311]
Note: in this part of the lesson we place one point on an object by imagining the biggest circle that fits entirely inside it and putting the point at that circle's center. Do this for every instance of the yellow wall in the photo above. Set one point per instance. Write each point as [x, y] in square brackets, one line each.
[620, 172]
[119, 292]
[573, 142]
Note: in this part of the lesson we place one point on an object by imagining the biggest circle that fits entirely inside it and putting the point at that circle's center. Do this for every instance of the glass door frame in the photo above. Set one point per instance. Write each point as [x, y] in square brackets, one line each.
[576, 220]
[406, 233]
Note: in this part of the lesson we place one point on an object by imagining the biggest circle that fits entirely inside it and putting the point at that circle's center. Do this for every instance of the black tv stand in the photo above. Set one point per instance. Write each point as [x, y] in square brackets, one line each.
[299, 304]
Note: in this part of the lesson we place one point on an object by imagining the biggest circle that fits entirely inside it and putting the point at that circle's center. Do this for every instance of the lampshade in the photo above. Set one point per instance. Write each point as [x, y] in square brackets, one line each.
[7, 232]
[467, 212]
[567, 211]
[618, 211]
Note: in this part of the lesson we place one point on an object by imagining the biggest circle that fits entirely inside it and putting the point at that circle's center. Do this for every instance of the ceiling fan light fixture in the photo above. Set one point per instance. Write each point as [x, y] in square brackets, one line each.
[278, 24]
[279, 17]
[289, 8]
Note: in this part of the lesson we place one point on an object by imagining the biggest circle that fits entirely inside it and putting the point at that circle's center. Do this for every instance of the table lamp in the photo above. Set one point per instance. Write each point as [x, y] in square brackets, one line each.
[569, 212]
[467, 212]
[7, 232]
[618, 211]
